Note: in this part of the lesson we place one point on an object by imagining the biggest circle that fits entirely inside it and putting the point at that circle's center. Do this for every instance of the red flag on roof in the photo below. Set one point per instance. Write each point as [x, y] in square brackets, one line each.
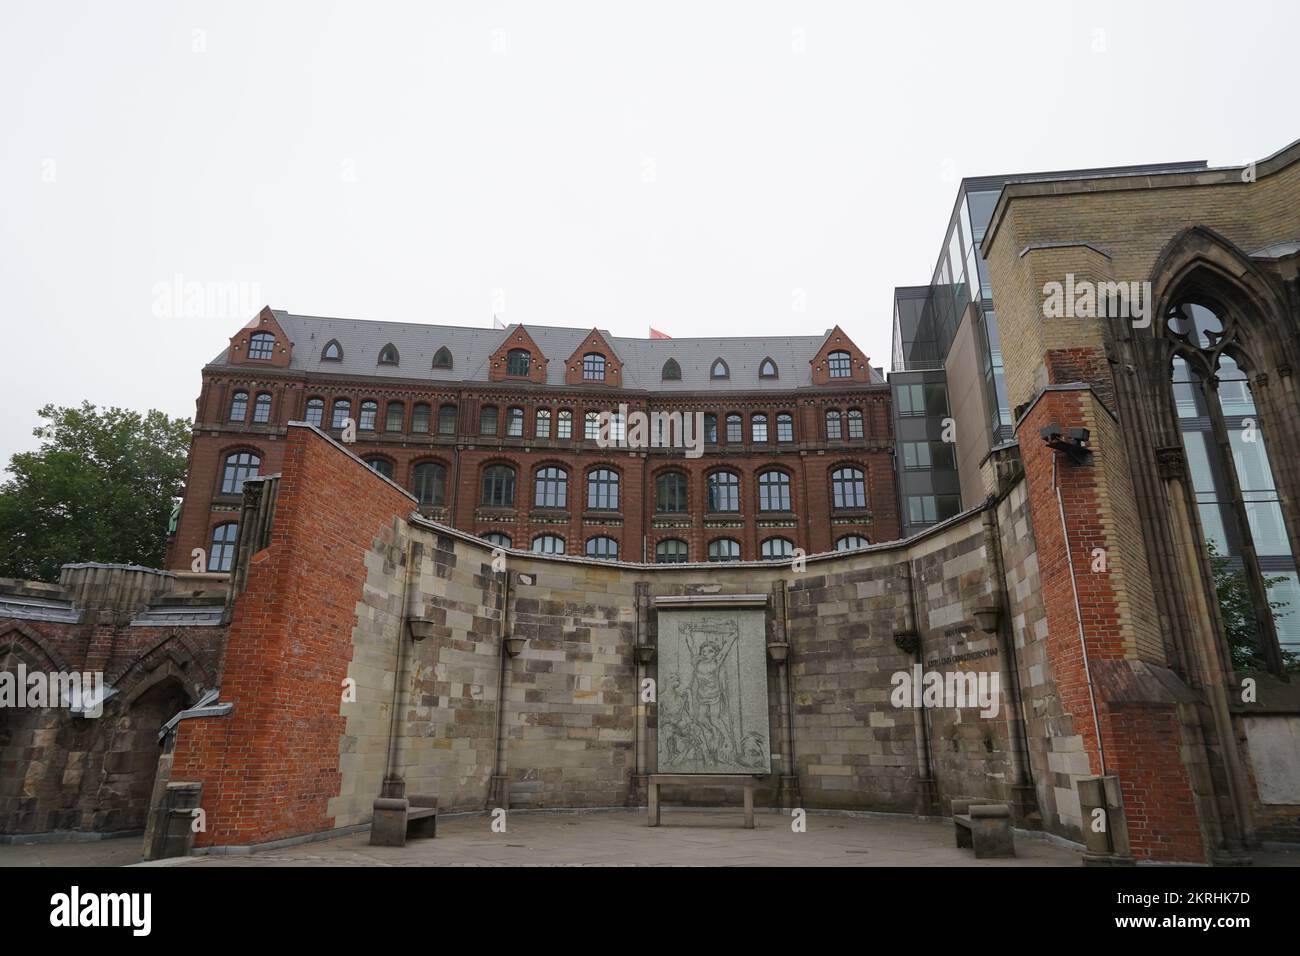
[656, 334]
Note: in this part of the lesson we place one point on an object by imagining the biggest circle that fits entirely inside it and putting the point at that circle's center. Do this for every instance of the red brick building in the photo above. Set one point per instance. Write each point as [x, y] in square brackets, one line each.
[497, 433]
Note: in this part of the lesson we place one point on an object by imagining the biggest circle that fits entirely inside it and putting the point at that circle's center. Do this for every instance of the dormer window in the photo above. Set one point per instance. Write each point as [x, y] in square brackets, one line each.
[840, 365]
[719, 370]
[261, 345]
[767, 369]
[593, 367]
[332, 352]
[442, 358]
[518, 362]
[672, 371]
[388, 355]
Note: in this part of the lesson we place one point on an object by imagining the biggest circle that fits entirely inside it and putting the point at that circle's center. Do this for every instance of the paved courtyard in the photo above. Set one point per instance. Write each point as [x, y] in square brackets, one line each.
[686, 838]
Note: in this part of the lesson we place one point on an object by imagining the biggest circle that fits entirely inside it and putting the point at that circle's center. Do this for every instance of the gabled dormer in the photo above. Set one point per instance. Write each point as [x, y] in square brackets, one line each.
[594, 362]
[261, 342]
[840, 362]
[518, 359]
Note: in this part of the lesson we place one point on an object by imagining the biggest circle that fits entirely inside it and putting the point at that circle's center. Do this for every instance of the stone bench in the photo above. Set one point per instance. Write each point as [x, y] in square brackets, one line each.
[658, 780]
[397, 820]
[984, 828]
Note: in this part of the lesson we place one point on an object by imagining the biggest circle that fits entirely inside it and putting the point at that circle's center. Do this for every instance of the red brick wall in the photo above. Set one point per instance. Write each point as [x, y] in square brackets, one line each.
[270, 767]
[1142, 742]
[809, 460]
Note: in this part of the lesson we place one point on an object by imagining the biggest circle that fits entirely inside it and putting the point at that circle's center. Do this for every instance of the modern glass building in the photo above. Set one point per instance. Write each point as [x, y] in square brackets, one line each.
[946, 379]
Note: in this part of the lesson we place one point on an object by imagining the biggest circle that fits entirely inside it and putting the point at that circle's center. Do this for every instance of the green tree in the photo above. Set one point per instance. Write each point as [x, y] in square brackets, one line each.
[99, 488]
[1237, 607]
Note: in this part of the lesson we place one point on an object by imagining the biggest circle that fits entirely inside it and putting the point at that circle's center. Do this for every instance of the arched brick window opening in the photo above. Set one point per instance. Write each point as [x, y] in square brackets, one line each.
[1234, 485]
[221, 549]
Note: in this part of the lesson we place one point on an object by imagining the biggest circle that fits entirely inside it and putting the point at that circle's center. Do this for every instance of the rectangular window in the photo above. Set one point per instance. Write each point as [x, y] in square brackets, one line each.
[543, 423]
[564, 425]
[487, 421]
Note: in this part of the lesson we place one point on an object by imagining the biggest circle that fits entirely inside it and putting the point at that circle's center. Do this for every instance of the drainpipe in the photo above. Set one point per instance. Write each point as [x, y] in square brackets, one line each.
[1022, 772]
[498, 786]
[1078, 613]
[921, 725]
[394, 786]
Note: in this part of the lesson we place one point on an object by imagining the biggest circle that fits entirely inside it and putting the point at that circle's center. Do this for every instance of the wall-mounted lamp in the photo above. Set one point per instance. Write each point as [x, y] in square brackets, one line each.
[1072, 441]
[515, 645]
[778, 651]
[419, 630]
[987, 618]
[645, 653]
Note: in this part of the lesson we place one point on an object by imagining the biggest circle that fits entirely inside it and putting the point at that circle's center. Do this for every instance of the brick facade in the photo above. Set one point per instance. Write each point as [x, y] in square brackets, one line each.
[809, 456]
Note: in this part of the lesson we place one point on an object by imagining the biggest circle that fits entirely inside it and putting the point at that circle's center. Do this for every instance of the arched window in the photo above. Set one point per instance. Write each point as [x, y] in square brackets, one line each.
[221, 552]
[784, 427]
[840, 365]
[381, 465]
[487, 420]
[420, 412]
[593, 367]
[518, 362]
[724, 491]
[342, 412]
[442, 358]
[670, 492]
[735, 429]
[711, 428]
[551, 488]
[1233, 483]
[394, 417]
[767, 369]
[724, 549]
[774, 549]
[851, 542]
[499, 486]
[239, 467]
[564, 424]
[719, 369]
[515, 423]
[429, 484]
[315, 411]
[447, 420]
[548, 544]
[498, 540]
[388, 355]
[369, 414]
[774, 491]
[833, 424]
[603, 548]
[542, 428]
[855, 423]
[848, 488]
[332, 352]
[670, 551]
[238, 406]
[602, 490]
[591, 426]
[672, 372]
[758, 428]
[262, 408]
[261, 345]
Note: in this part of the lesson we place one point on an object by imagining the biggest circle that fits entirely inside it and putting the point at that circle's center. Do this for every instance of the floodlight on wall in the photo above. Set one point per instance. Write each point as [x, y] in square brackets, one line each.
[1073, 441]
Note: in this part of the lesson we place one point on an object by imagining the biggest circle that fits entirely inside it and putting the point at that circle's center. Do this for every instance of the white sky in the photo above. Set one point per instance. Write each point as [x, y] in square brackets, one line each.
[700, 167]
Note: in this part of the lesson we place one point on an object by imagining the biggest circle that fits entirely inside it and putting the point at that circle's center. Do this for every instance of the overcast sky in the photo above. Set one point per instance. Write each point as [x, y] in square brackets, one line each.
[706, 168]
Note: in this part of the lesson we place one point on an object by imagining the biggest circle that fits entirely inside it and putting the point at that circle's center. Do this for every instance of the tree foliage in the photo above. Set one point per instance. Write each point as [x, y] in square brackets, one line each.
[99, 488]
[1237, 608]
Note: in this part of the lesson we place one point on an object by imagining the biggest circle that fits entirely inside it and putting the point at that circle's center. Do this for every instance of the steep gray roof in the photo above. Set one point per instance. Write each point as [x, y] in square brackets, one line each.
[643, 359]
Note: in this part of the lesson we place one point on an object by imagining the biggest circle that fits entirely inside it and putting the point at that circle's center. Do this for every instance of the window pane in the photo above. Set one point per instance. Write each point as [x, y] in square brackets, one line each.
[315, 411]
[262, 408]
[420, 418]
[447, 420]
[395, 417]
[487, 422]
[564, 425]
[543, 423]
